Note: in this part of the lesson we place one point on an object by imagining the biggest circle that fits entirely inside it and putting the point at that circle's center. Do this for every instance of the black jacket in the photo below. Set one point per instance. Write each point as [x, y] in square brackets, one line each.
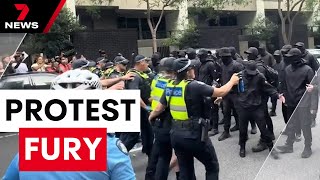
[311, 61]
[209, 71]
[294, 85]
[255, 89]
[228, 71]
[268, 59]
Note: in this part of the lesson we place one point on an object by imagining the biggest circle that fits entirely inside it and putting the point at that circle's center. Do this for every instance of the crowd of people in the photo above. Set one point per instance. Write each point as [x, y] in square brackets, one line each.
[181, 96]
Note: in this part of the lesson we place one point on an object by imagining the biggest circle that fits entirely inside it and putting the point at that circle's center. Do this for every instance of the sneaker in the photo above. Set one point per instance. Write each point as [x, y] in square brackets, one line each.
[307, 152]
[298, 137]
[274, 153]
[214, 132]
[254, 130]
[285, 149]
[221, 122]
[224, 135]
[242, 152]
[259, 147]
[234, 128]
[272, 113]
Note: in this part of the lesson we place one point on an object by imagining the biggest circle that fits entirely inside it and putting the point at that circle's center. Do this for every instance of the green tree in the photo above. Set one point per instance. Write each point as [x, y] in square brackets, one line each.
[262, 28]
[58, 38]
[292, 9]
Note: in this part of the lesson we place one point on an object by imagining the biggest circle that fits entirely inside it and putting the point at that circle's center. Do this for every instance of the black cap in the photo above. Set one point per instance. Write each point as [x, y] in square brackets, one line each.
[252, 50]
[182, 53]
[277, 53]
[120, 60]
[191, 51]
[299, 44]
[109, 65]
[293, 52]
[182, 64]
[139, 58]
[101, 60]
[203, 51]
[81, 63]
[225, 52]
[286, 48]
[167, 63]
[251, 67]
[262, 46]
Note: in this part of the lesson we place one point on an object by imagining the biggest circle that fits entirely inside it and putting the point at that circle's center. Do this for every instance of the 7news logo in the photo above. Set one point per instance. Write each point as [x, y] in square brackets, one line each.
[20, 23]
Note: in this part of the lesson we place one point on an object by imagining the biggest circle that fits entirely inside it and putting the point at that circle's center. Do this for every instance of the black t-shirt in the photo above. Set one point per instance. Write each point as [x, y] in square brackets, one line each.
[194, 98]
[138, 83]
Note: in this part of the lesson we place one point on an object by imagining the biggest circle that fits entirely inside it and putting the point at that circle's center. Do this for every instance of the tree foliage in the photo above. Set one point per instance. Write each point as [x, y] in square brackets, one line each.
[58, 38]
[292, 9]
[189, 37]
[262, 28]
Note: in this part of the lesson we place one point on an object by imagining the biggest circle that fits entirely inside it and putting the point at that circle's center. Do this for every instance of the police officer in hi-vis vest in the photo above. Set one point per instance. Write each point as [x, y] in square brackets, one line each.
[189, 136]
[158, 165]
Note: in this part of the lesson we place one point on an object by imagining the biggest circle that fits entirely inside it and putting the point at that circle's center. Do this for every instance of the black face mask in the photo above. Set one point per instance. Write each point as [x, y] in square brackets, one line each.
[252, 57]
[226, 60]
[203, 58]
[277, 58]
[286, 60]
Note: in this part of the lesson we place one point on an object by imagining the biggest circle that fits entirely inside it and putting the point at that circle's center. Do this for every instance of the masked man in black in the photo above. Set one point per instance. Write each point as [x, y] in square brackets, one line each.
[297, 79]
[209, 72]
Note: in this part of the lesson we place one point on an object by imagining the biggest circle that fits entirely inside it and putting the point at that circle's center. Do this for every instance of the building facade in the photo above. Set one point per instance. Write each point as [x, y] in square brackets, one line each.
[121, 26]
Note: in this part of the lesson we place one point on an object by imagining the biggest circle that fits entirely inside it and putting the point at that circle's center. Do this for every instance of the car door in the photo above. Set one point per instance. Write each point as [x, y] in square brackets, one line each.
[42, 81]
[15, 82]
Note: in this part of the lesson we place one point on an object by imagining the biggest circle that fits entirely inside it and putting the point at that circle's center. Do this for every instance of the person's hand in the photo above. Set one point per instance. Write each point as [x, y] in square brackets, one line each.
[128, 76]
[282, 98]
[309, 87]
[148, 108]
[235, 79]
[218, 100]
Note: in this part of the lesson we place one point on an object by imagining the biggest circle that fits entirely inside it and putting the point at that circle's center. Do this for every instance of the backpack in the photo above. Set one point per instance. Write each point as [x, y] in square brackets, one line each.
[272, 75]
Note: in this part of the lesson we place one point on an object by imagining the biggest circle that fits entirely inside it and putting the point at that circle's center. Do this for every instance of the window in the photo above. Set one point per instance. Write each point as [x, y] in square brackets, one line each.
[15, 83]
[42, 81]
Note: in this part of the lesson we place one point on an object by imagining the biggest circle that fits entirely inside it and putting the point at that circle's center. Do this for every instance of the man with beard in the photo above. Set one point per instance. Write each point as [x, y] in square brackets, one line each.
[297, 79]
[209, 72]
[229, 67]
[266, 57]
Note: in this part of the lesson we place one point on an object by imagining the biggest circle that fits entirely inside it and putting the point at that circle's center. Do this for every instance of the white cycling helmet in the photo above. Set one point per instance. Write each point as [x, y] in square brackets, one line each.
[76, 79]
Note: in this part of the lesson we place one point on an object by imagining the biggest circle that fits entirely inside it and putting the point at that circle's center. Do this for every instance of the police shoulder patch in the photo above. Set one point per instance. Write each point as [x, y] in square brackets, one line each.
[121, 147]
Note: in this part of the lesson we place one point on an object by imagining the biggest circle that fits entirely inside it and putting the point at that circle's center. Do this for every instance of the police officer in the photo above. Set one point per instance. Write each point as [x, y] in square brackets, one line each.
[229, 67]
[158, 165]
[119, 69]
[250, 106]
[119, 167]
[209, 72]
[140, 82]
[184, 97]
[297, 81]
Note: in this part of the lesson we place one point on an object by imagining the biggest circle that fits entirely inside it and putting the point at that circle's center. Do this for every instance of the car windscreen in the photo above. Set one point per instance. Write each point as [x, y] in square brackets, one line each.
[42, 81]
[15, 82]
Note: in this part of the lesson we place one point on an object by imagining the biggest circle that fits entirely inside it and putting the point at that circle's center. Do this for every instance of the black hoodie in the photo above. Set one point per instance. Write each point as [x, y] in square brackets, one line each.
[209, 71]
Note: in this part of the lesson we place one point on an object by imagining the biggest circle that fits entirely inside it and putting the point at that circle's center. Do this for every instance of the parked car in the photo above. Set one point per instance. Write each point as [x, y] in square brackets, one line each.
[30, 80]
[315, 53]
